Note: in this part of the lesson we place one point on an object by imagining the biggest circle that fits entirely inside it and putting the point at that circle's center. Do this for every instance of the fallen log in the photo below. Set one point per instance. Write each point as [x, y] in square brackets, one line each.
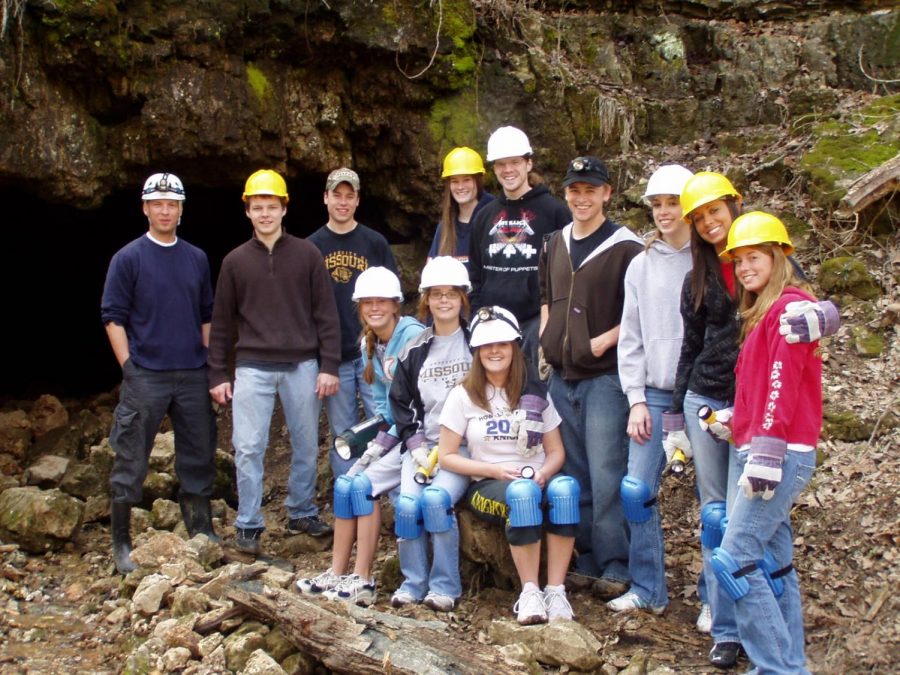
[365, 641]
[871, 187]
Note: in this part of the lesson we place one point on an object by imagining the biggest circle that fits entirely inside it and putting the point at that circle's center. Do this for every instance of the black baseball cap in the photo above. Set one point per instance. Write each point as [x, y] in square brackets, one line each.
[586, 170]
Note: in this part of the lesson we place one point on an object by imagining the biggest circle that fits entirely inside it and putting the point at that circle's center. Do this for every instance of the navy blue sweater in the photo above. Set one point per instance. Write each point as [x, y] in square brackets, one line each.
[161, 296]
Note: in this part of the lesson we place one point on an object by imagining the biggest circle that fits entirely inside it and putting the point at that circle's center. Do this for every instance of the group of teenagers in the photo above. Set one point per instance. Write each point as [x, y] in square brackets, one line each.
[557, 363]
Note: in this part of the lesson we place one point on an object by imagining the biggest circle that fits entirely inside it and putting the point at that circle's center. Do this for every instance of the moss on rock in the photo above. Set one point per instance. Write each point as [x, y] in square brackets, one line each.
[848, 275]
[867, 343]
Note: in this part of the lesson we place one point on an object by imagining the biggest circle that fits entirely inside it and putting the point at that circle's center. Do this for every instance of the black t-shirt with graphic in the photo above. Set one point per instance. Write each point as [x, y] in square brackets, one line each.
[346, 257]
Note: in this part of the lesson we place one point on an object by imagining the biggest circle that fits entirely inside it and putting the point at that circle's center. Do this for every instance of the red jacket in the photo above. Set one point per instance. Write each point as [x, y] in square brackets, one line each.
[778, 385]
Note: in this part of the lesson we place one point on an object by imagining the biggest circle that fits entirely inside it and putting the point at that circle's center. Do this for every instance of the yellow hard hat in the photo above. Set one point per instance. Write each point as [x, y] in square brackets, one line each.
[265, 182]
[462, 162]
[755, 228]
[705, 187]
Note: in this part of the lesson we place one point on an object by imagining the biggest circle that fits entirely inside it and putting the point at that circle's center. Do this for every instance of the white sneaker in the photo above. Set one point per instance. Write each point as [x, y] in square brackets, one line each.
[402, 598]
[556, 603]
[317, 586]
[355, 589]
[704, 621]
[529, 608]
[438, 602]
[630, 601]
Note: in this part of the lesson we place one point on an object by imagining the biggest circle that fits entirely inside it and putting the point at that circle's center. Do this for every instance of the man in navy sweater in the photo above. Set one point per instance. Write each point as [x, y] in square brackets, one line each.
[156, 307]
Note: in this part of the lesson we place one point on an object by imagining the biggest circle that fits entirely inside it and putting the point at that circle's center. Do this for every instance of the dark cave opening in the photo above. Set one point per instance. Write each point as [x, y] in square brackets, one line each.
[53, 264]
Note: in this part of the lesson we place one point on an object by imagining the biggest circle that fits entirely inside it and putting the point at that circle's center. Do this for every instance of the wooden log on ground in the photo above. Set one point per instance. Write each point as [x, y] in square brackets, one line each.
[871, 187]
[360, 642]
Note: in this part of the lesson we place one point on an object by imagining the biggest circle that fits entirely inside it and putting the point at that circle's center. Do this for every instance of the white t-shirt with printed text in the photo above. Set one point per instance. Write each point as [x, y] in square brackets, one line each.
[488, 434]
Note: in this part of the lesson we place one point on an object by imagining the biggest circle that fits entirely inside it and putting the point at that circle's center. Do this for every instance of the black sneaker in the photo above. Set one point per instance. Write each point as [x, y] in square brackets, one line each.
[310, 525]
[725, 654]
[247, 539]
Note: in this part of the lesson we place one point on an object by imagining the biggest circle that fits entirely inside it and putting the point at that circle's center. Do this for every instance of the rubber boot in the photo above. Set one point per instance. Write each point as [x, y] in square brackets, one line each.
[120, 520]
[197, 515]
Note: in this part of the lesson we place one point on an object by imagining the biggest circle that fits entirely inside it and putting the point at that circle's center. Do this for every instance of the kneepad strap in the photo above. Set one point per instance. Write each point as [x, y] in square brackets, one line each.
[730, 575]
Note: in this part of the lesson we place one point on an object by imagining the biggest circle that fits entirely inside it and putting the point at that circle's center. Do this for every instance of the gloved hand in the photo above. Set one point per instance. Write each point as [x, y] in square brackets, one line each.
[807, 321]
[717, 423]
[528, 426]
[762, 472]
[674, 437]
[375, 450]
[420, 456]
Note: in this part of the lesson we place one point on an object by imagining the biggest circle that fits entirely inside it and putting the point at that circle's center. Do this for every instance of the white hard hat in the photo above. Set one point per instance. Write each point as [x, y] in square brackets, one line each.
[163, 186]
[494, 324]
[508, 142]
[667, 180]
[377, 282]
[444, 270]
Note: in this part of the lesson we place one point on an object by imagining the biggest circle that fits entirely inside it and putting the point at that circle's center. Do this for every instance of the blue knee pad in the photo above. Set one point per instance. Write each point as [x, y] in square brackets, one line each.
[729, 574]
[712, 520]
[408, 517]
[773, 573]
[437, 511]
[523, 496]
[342, 506]
[361, 495]
[563, 493]
[636, 499]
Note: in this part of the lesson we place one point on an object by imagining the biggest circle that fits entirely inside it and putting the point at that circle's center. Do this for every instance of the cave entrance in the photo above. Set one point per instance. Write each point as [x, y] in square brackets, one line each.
[53, 263]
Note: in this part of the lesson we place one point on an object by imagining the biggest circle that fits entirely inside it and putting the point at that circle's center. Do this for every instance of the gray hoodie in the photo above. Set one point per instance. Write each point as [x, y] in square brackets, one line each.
[651, 329]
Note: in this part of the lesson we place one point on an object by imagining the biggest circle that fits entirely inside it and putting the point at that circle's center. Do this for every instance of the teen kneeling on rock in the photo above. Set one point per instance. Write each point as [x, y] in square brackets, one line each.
[486, 412]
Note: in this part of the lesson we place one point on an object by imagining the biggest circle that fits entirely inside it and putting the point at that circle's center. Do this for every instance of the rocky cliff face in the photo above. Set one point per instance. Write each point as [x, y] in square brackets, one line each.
[97, 92]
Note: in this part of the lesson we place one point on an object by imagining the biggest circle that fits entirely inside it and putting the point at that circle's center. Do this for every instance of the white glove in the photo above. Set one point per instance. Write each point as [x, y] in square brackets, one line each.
[373, 453]
[420, 456]
[677, 440]
[720, 429]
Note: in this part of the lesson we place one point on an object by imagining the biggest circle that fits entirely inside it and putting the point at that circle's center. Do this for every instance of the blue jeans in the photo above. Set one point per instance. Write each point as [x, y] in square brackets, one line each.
[715, 472]
[594, 415]
[646, 560]
[443, 577]
[771, 629]
[254, 401]
[342, 409]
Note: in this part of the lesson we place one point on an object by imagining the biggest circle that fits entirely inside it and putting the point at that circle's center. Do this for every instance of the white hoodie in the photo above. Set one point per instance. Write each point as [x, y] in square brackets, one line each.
[651, 328]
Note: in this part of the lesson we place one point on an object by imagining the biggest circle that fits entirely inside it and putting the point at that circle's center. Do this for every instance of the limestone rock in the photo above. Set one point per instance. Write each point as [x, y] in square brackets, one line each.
[83, 481]
[522, 654]
[165, 514]
[162, 455]
[101, 458]
[559, 643]
[150, 593]
[162, 547]
[277, 645]
[867, 343]
[39, 519]
[7, 482]
[181, 635]
[299, 663]
[159, 485]
[277, 577]
[174, 659]
[216, 660]
[47, 471]
[846, 274]
[210, 643]
[141, 521]
[204, 551]
[261, 663]
[96, 509]
[48, 413]
[239, 647]
[186, 600]
[15, 433]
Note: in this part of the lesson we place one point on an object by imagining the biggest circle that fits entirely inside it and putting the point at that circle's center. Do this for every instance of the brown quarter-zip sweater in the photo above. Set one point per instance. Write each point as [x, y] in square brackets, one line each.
[281, 305]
